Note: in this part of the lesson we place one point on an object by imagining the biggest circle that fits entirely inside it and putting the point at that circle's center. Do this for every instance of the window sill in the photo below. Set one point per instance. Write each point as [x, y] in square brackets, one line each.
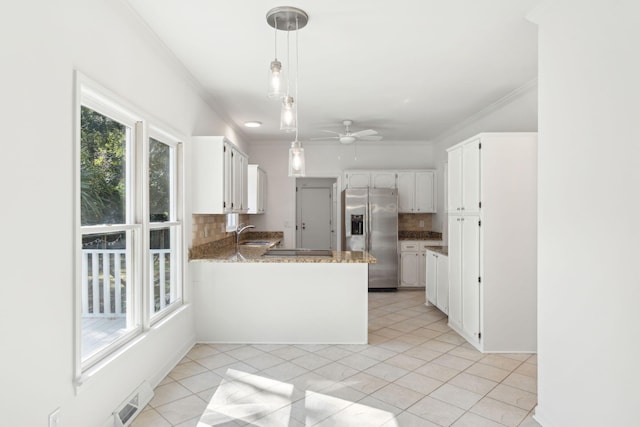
[92, 371]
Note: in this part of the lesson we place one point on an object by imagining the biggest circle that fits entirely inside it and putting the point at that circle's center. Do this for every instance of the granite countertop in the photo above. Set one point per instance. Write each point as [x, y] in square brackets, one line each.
[442, 250]
[225, 250]
[419, 235]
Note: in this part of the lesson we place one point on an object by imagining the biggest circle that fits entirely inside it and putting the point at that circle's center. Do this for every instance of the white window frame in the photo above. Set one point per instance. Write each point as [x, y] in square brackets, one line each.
[143, 127]
[175, 222]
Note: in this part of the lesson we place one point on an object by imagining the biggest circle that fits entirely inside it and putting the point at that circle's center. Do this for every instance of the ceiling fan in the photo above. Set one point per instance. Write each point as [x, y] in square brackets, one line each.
[349, 137]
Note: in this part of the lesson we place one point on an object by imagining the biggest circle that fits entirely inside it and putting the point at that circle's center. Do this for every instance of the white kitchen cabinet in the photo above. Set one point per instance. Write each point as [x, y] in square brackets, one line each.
[219, 176]
[416, 191]
[239, 200]
[464, 281]
[357, 179]
[410, 261]
[437, 286]
[492, 185]
[257, 190]
[413, 258]
[383, 179]
[463, 183]
[442, 283]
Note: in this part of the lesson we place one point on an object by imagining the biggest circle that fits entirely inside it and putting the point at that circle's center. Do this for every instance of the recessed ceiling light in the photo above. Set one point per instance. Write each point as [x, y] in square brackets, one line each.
[253, 124]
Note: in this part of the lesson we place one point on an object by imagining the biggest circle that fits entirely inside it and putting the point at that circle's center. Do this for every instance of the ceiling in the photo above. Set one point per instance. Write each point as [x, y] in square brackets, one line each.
[410, 69]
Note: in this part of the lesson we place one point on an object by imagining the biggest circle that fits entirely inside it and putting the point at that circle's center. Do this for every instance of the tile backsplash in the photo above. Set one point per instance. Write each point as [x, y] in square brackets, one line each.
[411, 222]
[210, 228]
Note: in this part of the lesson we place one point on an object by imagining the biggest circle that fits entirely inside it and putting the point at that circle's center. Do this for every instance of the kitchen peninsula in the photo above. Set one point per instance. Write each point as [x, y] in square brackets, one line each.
[242, 295]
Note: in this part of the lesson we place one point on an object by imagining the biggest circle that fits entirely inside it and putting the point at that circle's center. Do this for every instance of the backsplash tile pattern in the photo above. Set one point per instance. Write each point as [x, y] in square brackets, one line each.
[411, 222]
[210, 228]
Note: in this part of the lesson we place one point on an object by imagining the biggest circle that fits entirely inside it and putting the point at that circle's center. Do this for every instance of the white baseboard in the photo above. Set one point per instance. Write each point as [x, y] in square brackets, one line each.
[173, 361]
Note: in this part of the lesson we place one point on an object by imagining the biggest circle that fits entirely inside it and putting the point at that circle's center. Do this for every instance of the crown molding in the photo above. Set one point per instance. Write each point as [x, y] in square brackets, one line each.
[172, 61]
[505, 100]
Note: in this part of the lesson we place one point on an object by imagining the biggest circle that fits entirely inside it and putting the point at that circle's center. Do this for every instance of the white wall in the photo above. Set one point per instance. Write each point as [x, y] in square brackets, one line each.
[41, 44]
[589, 188]
[517, 112]
[326, 159]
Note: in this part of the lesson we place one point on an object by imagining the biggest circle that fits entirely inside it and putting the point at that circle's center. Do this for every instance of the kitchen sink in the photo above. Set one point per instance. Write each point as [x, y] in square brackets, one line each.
[256, 243]
[281, 252]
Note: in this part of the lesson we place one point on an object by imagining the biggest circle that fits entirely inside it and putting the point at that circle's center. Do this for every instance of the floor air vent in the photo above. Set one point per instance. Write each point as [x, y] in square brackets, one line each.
[133, 405]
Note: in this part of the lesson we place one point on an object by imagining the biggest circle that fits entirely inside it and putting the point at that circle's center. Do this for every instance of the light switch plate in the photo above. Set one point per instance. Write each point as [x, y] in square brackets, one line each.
[54, 418]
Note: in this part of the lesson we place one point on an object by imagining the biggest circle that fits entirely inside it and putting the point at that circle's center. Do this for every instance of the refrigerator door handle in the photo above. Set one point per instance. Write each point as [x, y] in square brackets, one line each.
[369, 227]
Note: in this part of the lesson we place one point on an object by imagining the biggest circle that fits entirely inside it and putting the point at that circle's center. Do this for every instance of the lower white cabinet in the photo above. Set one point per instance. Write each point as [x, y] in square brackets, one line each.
[464, 278]
[437, 276]
[409, 268]
[413, 259]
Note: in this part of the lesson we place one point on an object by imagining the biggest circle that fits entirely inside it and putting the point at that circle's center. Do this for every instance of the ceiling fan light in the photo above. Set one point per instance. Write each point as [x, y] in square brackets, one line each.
[288, 115]
[296, 159]
[276, 79]
[347, 139]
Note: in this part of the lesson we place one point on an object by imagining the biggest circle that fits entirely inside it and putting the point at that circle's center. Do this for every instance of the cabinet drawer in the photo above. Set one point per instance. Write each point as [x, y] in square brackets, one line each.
[409, 246]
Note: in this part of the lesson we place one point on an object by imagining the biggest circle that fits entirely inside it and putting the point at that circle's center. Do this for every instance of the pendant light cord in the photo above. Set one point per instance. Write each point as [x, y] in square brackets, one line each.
[288, 63]
[275, 36]
[297, 101]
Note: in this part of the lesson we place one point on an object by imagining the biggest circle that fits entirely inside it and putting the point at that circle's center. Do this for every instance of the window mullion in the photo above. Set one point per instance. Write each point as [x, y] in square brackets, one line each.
[142, 172]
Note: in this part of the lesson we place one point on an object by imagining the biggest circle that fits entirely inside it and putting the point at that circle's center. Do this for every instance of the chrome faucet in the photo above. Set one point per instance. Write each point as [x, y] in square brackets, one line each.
[240, 229]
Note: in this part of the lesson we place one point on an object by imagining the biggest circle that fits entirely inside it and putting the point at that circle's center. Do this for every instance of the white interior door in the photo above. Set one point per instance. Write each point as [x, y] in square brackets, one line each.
[314, 220]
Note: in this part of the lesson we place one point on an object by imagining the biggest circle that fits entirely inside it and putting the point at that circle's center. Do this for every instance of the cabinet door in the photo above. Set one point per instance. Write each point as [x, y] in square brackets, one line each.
[471, 177]
[409, 269]
[384, 179]
[422, 269]
[431, 273]
[455, 266]
[425, 192]
[406, 191]
[239, 184]
[442, 284]
[228, 178]
[262, 191]
[454, 181]
[357, 179]
[470, 274]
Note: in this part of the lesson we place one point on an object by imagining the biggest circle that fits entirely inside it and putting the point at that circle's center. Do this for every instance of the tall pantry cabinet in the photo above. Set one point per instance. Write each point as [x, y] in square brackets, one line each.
[491, 206]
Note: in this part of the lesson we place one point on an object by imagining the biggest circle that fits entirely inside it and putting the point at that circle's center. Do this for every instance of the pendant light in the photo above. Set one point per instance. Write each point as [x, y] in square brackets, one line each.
[276, 74]
[289, 19]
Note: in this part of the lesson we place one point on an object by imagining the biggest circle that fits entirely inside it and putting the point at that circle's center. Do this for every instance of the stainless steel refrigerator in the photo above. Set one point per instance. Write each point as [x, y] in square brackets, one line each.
[371, 224]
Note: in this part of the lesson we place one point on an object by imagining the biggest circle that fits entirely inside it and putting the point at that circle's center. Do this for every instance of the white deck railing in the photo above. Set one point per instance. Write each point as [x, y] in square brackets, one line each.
[104, 281]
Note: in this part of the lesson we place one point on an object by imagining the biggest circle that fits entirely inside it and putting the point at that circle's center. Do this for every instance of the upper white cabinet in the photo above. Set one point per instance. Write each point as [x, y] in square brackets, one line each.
[383, 179]
[416, 191]
[463, 183]
[357, 179]
[416, 188]
[257, 188]
[219, 176]
[492, 205]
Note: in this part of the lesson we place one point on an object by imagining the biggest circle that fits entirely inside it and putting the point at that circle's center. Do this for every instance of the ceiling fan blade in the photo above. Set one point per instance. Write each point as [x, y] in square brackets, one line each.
[367, 132]
[330, 131]
[324, 138]
[370, 138]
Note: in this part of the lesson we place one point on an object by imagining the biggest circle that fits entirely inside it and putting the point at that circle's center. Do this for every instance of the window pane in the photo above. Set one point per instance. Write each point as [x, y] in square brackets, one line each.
[159, 181]
[164, 284]
[103, 149]
[106, 290]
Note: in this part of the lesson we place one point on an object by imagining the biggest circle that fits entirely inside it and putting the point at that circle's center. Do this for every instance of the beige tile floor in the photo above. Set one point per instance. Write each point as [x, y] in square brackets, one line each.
[415, 371]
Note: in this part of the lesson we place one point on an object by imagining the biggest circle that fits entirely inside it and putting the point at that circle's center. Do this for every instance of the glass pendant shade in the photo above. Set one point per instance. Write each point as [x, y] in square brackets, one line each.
[276, 80]
[288, 115]
[296, 159]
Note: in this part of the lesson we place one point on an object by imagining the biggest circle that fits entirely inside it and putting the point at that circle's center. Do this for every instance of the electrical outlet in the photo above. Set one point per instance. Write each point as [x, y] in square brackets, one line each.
[421, 223]
[54, 418]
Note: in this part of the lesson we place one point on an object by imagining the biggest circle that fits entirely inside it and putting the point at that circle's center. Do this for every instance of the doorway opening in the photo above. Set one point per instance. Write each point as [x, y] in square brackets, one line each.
[317, 213]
